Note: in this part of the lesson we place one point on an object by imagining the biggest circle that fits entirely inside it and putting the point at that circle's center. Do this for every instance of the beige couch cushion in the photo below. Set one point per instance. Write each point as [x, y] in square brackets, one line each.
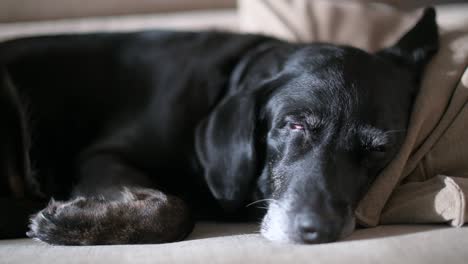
[238, 243]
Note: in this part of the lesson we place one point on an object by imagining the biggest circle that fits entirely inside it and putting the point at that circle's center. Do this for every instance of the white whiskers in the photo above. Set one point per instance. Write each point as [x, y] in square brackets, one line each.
[259, 201]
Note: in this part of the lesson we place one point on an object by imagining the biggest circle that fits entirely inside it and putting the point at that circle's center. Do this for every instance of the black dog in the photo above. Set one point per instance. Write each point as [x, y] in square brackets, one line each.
[144, 133]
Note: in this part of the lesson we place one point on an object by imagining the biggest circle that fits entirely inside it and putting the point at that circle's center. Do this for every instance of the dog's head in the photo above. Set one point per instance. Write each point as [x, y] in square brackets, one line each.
[309, 127]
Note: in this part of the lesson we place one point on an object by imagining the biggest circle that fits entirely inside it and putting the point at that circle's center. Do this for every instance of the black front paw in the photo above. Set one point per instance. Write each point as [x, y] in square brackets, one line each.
[60, 223]
[140, 216]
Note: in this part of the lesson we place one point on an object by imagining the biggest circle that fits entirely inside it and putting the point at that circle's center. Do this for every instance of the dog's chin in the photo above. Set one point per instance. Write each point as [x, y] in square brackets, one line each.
[276, 227]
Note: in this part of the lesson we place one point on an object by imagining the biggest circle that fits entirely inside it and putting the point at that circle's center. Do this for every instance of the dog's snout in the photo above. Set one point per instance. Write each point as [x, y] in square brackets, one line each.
[311, 228]
[306, 226]
[308, 231]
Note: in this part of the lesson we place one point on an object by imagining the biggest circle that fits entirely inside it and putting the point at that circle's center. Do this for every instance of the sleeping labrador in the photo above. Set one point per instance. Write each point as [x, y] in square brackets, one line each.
[135, 136]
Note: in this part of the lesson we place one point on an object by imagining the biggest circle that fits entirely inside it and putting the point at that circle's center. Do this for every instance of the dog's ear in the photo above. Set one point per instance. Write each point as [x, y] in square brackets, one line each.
[417, 46]
[226, 141]
[226, 149]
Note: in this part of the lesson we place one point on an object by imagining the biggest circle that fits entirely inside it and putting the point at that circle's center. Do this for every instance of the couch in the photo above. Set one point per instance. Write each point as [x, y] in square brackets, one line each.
[212, 242]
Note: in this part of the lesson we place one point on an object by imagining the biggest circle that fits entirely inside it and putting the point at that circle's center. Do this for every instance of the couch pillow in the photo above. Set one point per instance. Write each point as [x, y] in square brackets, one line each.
[366, 26]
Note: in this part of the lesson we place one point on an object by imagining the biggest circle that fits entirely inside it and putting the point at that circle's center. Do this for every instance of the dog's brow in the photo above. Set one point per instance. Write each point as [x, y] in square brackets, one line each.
[309, 116]
[395, 131]
[314, 120]
[372, 136]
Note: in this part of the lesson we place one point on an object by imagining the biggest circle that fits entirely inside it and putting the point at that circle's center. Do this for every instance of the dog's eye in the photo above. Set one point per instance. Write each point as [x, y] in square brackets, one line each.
[378, 149]
[296, 126]
[375, 149]
[376, 152]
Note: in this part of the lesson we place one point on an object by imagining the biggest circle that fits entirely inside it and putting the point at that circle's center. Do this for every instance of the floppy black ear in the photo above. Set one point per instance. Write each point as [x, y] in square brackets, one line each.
[225, 140]
[417, 46]
[226, 148]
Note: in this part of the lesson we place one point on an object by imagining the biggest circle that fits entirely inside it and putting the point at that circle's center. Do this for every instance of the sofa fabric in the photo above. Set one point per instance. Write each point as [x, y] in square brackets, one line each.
[225, 19]
[34, 10]
[239, 243]
[427, 182]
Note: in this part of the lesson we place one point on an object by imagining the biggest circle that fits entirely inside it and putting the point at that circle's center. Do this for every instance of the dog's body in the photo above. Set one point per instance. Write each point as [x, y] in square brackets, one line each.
[111, 108]
[145, 132]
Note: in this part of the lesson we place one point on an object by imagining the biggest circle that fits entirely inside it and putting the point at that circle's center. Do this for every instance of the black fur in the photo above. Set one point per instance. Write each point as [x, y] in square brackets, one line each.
[140, 134]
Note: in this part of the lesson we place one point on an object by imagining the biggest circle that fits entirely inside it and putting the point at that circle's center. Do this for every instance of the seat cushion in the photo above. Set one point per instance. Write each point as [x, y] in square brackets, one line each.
[240, 243]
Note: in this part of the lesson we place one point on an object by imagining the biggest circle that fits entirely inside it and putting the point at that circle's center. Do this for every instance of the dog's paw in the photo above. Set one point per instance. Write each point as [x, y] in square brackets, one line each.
[62, 223]
[141, 216]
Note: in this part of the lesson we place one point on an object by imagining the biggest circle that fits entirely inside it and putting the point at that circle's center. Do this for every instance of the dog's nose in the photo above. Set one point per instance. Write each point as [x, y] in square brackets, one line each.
[307, 229]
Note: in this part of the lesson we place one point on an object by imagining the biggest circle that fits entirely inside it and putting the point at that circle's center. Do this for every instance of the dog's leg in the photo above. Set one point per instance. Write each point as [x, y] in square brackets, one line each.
[19, 195]
[112, 205]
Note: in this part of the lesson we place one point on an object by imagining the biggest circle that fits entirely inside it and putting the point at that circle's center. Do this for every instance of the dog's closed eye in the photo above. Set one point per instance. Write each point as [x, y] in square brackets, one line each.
[302, 122]
[380, 148]
[296, 126]
[374, 153]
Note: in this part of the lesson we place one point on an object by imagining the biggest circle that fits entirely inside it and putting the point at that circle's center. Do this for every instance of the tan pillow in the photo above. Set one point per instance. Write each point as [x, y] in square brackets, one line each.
[366, 26]
[427, 181]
